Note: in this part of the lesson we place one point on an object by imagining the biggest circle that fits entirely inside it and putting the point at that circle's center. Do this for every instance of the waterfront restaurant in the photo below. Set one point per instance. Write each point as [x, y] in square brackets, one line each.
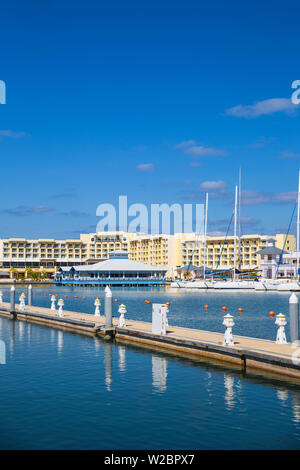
[118, 270]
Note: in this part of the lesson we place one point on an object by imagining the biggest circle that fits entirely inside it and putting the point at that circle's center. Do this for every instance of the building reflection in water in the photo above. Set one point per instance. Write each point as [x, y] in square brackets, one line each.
[108, 364]
[159, 373]
[122, 358]
[60, 341]
[229, 390]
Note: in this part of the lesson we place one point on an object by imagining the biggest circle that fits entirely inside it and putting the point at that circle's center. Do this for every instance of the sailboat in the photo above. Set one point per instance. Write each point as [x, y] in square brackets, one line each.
[285, 285]
[236, 283]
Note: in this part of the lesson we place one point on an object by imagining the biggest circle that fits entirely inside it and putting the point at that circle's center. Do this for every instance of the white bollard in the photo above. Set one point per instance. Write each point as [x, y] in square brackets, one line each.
[1, 296]
[229, 323]
[53, 299]
[122, 322]
[60, 310]
[280, 322]
[97, 305]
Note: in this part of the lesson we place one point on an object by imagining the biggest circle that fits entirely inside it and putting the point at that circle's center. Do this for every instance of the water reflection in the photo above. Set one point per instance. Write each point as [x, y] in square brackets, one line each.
[122, 358]
[60, 341]
[108, 365]
[282, 395]
[296, 406]
[159, 373]
[21, 329]
[229, 391]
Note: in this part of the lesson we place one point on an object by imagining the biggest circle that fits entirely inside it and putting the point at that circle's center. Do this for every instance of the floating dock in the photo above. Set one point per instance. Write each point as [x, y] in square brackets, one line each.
[248, 354]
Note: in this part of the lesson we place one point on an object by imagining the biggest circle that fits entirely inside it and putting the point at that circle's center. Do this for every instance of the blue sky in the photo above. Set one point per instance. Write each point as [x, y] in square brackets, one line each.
[159, 101]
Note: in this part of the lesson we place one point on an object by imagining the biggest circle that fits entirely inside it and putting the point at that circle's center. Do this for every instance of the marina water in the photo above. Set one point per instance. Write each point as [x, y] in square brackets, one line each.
[61, 390]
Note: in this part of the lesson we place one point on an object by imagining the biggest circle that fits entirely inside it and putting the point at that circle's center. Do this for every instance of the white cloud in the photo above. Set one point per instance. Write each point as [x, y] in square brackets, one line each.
[186, 143]
[263, 108]
[10, 133]
[286, 154]
[213, 185]
[148, 167]
[252, 198]
[201, 150]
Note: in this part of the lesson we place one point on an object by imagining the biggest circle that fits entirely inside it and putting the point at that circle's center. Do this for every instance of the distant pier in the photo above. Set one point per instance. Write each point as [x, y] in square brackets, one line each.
[246, 354]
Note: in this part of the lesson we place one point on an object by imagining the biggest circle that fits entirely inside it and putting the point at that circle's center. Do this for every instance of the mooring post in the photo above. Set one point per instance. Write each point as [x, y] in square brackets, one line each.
[108, 307]
[29, 294]
[294, 317]
[12, 299]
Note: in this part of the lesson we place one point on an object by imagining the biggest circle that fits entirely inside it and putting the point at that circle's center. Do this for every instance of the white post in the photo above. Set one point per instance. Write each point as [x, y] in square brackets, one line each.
[60, 310]
[1, 296]
[29, 294]
[280, 322]
[235, 221]
[122, 322]
[294, 317]
[97, 304]
[53, 307]
[229, 323]
[205, 232]
[108, 307]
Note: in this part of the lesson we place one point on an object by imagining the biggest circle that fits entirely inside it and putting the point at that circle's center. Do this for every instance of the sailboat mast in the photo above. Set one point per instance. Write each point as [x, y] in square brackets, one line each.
[298, 227]
[205, 233]
[235, 223]
[240, 199]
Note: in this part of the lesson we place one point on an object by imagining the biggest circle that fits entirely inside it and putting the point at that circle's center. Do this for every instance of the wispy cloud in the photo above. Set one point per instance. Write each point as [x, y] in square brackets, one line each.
[22, 211]
[213, 185]
[195, 164]
[253, 198]
[14, 134]
[286, 155]
[201, 150]
[263, 108]
[186, 143]
[147, 167]
[74, 213]
[262, 142]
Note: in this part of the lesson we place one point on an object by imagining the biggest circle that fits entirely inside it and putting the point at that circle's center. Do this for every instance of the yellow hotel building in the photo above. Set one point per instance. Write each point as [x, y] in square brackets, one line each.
[18, 255]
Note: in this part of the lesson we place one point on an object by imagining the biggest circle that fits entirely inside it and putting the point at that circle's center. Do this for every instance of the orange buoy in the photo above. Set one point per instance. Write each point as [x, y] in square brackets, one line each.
[224, 308]
[49, 295]
[83, 298]
[240, 309]
[168, 304]
[75, 297]
[66, 296]
[34, 293]
[147, 301]
[271, 313]
[116, 300]
[206, 306]
[56, 295]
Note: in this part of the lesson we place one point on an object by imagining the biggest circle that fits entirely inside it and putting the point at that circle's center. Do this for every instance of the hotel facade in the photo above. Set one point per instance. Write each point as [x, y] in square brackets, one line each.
[19, 256]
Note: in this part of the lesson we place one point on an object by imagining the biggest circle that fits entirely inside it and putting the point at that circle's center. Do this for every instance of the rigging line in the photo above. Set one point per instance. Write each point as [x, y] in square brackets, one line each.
[224, 240]
[281, 254]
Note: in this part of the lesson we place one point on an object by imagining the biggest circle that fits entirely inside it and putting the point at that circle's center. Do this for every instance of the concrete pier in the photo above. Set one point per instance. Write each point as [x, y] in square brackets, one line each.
[246, 353]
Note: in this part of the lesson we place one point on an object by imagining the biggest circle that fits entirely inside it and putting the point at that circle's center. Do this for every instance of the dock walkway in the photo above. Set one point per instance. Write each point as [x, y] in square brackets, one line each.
[247, 353]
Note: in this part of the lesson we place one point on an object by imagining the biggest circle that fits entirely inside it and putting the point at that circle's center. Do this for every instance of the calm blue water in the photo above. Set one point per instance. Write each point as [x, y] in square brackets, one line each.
[65, 391]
